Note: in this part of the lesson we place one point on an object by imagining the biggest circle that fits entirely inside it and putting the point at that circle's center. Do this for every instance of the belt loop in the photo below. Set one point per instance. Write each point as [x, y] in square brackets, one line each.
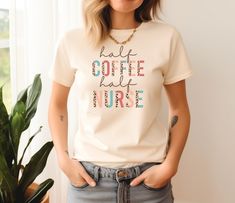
[116, 175]
[137, 170]
[96, 173]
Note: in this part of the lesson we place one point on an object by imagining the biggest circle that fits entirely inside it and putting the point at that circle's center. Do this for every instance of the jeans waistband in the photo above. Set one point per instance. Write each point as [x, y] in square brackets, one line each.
[117, 174]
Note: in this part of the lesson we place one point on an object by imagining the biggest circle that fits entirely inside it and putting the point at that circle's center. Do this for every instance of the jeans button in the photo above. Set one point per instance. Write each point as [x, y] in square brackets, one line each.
[122, 173]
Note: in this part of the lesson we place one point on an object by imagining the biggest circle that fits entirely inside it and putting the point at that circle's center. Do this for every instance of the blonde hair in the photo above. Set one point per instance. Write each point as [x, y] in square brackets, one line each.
[97, 20]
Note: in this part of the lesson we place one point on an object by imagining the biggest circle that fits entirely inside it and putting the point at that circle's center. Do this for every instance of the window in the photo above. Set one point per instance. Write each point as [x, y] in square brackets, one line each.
[5, 52]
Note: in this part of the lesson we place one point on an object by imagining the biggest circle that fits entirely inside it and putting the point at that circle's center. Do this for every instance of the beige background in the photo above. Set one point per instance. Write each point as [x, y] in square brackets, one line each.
[206, 173]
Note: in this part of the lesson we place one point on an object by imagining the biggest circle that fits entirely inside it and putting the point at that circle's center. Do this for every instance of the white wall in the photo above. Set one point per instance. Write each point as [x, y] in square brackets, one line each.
[206, 173]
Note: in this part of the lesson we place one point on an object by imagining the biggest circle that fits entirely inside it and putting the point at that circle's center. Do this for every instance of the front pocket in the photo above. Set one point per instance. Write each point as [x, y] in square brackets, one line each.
[84, 185]
[155, 189]
[80, 186]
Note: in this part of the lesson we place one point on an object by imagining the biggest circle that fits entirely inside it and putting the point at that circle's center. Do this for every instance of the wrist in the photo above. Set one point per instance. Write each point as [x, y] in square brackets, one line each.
[171, 167]
[63, 158]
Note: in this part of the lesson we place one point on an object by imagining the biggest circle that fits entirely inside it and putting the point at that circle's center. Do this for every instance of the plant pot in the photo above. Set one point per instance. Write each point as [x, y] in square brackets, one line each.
[32, 188]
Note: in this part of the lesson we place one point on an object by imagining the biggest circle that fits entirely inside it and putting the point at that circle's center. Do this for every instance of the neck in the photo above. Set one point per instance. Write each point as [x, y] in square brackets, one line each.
[123, 20]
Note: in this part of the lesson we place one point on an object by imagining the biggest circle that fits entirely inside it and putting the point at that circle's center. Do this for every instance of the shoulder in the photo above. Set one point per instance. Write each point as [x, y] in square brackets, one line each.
[163, 28]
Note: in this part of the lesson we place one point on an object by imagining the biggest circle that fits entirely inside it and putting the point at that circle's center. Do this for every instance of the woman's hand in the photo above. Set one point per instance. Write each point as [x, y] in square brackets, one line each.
[156, 176]
[76, 173]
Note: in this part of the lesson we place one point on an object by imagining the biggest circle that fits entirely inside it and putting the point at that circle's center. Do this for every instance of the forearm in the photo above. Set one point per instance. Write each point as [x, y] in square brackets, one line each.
[178, 133]
[58, 123]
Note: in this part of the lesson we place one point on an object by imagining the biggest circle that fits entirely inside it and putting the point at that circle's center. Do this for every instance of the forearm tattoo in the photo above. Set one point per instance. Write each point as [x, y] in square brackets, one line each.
[173, 122]
[61, 118]
[67, 152]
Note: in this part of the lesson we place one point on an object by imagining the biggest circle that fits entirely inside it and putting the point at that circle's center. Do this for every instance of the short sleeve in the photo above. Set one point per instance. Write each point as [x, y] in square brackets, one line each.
[61, 70]
[179, 66]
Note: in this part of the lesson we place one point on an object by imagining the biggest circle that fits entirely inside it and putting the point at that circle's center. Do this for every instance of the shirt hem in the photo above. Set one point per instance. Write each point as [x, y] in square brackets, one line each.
[178, 78]
[60, 81]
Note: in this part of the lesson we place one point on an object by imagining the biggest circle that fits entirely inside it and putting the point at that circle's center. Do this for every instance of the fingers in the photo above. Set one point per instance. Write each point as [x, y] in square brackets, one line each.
[86, 176]
[137, 180]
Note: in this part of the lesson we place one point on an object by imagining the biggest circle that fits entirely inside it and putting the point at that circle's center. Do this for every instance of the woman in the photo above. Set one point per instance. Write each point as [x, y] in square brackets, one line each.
[117, 66]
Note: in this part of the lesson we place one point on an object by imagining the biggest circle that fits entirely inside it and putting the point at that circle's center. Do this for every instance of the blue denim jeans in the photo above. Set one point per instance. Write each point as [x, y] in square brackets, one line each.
[112, 186]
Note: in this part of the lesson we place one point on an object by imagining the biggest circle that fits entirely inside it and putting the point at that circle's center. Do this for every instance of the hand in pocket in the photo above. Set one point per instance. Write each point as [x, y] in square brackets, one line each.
[156, 176]
[76, 173]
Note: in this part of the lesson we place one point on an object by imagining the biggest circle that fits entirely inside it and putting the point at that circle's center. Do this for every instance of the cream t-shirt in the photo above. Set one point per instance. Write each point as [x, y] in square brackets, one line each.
[118, 89]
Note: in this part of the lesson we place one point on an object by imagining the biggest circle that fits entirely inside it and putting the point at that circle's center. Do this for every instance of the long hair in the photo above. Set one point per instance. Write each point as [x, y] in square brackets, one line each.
[97, 20]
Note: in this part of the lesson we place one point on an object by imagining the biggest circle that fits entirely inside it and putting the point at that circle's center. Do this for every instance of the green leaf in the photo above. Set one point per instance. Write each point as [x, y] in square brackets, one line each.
[32, 99]
[3, 114]
[11, 128]
[3, 196]
[22, 96]
[9, 183]
[17, 126]
[41, 191]
[26, 147]
[34, 91]
[1, 98]
[30, 115]
[17, 120]
[35, 166]
[5, 141]
[19, 108]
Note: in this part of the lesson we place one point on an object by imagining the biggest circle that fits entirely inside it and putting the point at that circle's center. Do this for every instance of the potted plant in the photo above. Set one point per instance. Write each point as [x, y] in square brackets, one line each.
[15, 178]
